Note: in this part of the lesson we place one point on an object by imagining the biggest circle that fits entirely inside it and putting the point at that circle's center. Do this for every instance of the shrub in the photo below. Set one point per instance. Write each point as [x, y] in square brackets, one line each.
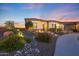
[12, 43]
[9, 24]
[28, 40]
[13, 30]
[43, 37]
[20, 34]
[59, 30]
[28, 24]
[55, 29]
[52, 29]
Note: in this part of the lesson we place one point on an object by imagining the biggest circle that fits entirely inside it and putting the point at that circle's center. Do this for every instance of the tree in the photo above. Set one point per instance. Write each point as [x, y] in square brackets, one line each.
[9, 24]
[29, 25]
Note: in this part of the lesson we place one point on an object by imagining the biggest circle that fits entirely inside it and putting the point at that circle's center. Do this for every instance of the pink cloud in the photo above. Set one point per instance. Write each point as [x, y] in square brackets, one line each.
[59, 13]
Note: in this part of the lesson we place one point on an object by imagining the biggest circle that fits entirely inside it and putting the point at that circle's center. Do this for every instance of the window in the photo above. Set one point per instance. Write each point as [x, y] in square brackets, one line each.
[35, 25]
[53, 25]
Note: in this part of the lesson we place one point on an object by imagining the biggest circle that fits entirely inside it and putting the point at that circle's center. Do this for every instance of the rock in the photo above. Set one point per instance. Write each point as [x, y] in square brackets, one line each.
[31, 52]
[28, 50]
[37, 50]
[27, 46]
[7, 33]
[18, 53]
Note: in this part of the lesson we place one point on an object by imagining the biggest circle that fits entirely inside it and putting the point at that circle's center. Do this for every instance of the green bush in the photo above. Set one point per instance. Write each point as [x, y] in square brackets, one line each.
[14, 30]
[43, 37]
[53, 29]
[20, 34]
[28, 40]
[12, 43]
[28, 24]
[59, 30]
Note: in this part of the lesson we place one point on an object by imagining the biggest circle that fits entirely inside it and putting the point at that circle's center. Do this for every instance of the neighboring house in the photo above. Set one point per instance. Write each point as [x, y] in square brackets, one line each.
[70, 24]
[44, 25]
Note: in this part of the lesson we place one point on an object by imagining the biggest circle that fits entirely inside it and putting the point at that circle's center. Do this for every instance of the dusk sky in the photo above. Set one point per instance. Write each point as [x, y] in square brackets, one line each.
[51, 11]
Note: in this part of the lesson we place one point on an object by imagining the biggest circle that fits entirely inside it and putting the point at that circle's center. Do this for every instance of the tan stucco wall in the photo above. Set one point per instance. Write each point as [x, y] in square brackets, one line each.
[50, 24]
[59, 25]
[40, 24]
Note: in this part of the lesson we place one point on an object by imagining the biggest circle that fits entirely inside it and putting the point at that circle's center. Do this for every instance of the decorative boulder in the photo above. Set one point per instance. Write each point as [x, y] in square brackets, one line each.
[7, 33]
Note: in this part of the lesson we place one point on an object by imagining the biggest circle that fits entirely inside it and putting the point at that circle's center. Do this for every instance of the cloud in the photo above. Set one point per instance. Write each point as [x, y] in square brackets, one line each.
[33, 6]
[60, 13]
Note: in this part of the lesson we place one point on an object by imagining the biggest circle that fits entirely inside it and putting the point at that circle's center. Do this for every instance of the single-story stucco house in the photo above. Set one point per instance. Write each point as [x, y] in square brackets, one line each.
[44, 25]
[68, 24]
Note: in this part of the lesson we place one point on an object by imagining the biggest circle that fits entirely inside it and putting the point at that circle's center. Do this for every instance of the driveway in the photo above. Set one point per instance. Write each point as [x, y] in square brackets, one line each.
[67, 45]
